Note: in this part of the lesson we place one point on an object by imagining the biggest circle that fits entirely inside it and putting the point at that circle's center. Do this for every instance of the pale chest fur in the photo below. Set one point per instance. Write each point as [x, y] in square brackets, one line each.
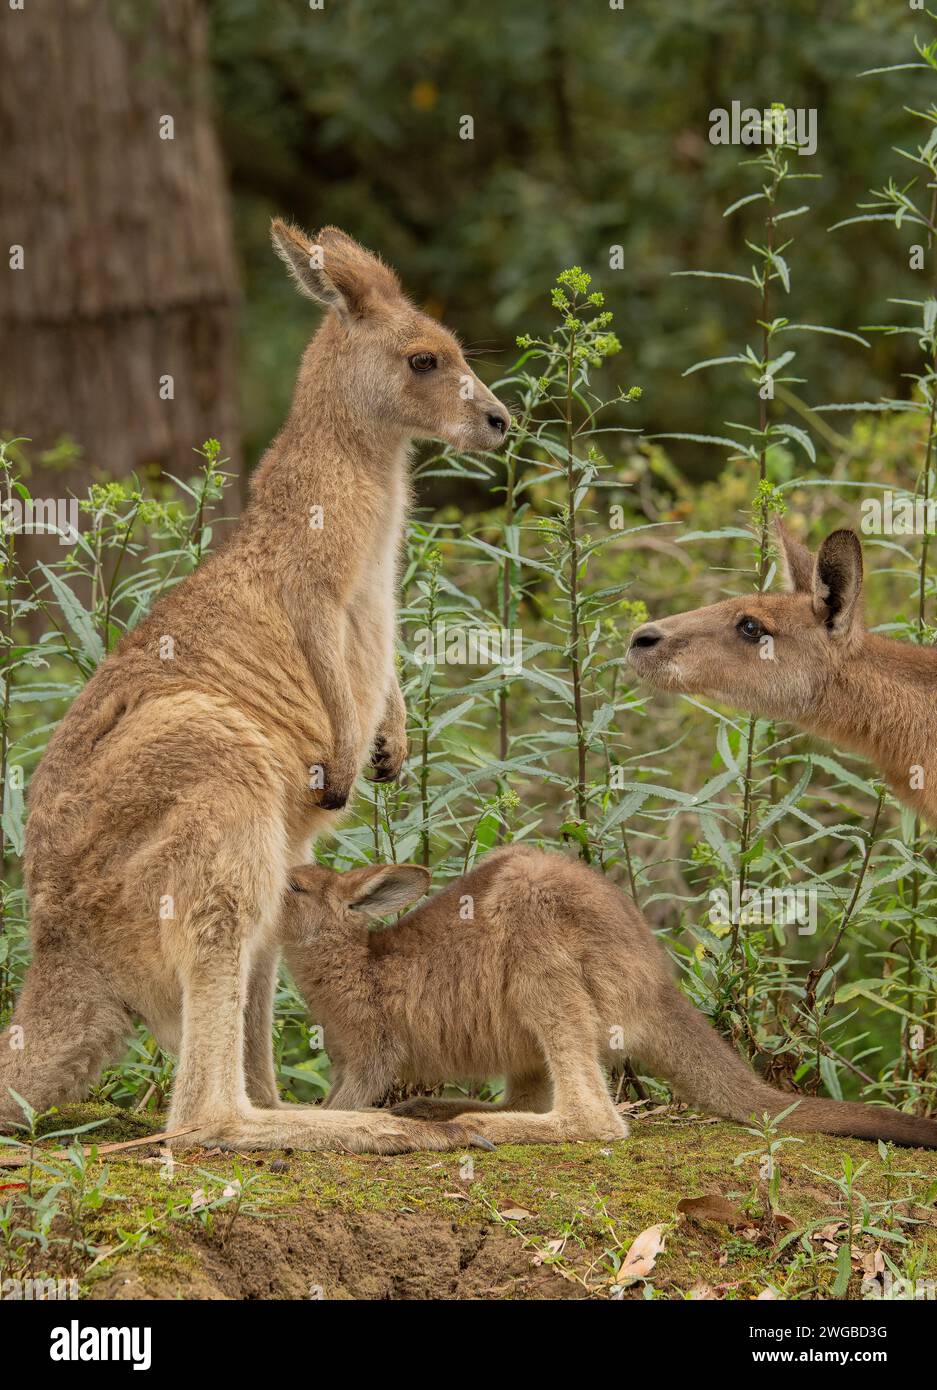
[372, 610]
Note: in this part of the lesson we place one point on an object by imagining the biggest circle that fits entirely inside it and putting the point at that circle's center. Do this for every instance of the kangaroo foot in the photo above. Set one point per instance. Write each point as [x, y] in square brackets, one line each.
[360, 1131]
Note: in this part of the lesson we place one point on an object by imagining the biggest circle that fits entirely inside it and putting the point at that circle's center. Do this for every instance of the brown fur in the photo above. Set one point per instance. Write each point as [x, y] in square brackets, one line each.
[176, 792]
[555, 975]
[826, 673]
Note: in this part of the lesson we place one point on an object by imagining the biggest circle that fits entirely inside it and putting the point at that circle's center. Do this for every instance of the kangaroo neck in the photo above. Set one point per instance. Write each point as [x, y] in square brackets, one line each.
[329, 450]
[880, 701]
[332, 447]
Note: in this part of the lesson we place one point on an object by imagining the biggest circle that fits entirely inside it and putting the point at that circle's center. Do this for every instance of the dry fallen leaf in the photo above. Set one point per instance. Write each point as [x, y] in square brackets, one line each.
[702, 1292]
[768, 1293]
[641, 1255]
[458, 1196]
[513, 1213]
[828, 1232]
[713, 1208]
[550, 1247]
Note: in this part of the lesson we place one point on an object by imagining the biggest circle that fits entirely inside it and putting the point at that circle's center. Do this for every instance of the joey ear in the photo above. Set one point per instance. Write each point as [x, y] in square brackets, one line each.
[797, 562]
[388, 888]
[308, 878]
[837, 584]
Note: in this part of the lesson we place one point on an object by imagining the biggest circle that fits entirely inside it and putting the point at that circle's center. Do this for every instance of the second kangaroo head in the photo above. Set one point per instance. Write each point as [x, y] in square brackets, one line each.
[389, 364]
[320, 898]
[771, 654]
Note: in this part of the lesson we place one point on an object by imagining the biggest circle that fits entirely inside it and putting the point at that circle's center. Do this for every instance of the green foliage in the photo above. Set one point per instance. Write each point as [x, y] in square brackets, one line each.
[50, 1222]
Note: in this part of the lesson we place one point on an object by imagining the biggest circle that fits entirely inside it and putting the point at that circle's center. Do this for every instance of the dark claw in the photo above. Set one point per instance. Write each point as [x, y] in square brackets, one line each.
[382, 768]
[479, 1141]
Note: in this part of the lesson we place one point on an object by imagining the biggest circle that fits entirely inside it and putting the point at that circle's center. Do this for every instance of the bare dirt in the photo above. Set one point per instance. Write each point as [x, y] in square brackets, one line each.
[371, 1255]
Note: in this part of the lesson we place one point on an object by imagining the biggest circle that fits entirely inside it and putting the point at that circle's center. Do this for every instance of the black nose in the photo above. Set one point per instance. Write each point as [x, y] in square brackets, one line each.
[498, 421]
[647, 636]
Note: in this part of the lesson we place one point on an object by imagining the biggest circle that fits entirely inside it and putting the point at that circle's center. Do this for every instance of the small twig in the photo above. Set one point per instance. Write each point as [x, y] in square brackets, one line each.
[16, 1160]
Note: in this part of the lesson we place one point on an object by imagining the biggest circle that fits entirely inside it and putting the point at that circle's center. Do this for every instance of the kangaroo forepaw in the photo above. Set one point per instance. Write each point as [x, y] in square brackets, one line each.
[333, 800]
[335, 791]
[387, 758]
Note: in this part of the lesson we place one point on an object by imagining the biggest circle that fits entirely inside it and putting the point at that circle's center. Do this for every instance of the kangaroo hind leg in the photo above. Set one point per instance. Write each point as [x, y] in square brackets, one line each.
[260, 1074]
[582, 1107]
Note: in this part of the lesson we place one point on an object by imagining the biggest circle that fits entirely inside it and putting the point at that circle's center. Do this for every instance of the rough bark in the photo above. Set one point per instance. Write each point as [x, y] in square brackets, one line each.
[128, 268]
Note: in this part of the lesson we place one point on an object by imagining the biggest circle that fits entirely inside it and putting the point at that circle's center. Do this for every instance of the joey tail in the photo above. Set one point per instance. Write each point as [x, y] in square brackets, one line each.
[684, 1048]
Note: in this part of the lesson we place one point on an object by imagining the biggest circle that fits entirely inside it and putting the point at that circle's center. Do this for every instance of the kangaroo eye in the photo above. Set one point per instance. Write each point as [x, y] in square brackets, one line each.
[750, 628]
[422, 361]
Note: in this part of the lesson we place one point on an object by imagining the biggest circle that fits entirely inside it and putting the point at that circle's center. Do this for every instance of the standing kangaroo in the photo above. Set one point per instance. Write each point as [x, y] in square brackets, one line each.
[805, 656]
[176, 792]
[531, 965]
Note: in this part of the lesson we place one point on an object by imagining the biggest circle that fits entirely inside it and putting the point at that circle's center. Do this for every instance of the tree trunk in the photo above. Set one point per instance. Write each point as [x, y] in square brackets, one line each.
[128, 276]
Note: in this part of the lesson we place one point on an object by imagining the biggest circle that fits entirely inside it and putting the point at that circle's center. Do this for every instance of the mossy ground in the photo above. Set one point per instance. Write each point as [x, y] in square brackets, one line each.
[439, 1225]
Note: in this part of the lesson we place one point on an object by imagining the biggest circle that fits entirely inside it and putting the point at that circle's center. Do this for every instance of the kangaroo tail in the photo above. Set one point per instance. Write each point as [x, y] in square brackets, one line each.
[706, 1071]
[67, 1025]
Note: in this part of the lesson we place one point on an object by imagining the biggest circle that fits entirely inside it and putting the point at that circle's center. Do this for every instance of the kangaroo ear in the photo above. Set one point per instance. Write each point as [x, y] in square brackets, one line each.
[362, 279]
[797, 562]
[837, 584]
[305, 261]
[308, 878]
[388, 888]
[334, 270]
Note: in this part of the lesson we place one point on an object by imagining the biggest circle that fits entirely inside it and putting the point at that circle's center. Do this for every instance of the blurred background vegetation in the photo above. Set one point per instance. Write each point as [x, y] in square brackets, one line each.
[590, 132]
